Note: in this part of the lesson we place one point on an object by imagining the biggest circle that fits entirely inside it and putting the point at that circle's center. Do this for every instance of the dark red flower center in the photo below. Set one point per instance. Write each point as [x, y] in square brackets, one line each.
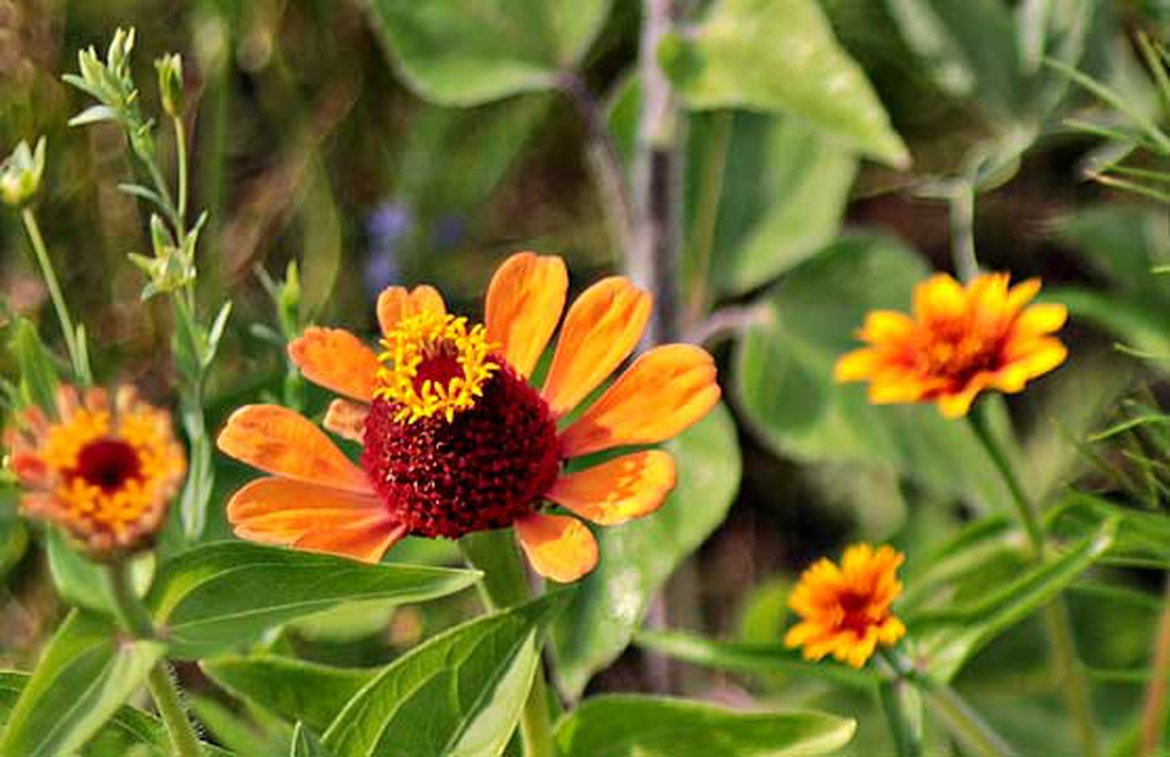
[855, 605]
[483, 469]
[107, 463]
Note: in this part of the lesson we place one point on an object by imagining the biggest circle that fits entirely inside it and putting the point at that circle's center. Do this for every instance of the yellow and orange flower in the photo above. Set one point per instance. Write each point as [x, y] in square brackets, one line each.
[105, 474]
[959, 342]
[455, 439]
[846, 611]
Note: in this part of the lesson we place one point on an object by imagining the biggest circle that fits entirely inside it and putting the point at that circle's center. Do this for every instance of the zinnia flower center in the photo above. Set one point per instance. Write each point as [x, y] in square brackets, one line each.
[434, 365]
[107, 463]
[959, 351]
[455, 441]
[855, 607]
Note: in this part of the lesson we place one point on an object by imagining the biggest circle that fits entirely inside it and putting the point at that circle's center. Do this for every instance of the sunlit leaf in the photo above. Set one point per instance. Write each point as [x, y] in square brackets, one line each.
[628, 725]
[780, 55]
[458, 693]
[219, 596]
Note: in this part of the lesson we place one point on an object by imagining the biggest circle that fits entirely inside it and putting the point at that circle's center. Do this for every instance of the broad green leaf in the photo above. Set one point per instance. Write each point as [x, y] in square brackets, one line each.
[932, 579]
[38, 377]
[765, 192]
[629, 725]
[459, 693]
[305, 743]
[13, 543]
[638, 557]
[753, 658]
[236, 731]
[294, 689]
[780, 55]
[85, 675]
[222, 595]
[784, 376]
[129, 731]
[85, 584]
[1142, 539]
[948, 637]
[467, 52]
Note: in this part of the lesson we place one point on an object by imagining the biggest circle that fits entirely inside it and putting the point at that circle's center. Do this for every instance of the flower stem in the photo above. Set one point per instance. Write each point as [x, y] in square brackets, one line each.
[163, 688]
[960, 718]
[181, 159]
[505, 584]
[1154, 712]
[1056, 618]
[167, 698]
[77, 356]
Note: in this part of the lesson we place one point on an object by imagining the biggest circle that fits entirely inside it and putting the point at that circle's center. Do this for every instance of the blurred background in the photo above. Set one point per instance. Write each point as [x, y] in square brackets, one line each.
[307, 147]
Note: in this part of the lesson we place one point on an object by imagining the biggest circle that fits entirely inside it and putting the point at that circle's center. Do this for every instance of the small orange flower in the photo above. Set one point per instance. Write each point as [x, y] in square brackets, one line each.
[455, 438]
[959, 342]
[104, 474]
[845, 611]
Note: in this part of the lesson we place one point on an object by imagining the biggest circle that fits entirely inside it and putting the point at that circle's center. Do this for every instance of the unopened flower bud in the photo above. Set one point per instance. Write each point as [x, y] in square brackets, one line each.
[170, 83]
[20, 173]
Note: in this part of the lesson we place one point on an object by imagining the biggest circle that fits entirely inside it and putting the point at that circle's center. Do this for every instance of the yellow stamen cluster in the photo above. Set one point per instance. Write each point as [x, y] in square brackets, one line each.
[431, 336]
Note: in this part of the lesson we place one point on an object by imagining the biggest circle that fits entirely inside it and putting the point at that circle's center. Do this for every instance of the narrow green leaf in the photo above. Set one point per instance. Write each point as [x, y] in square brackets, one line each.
[780, 55]
[306, 744]
[629, 725]
[222, 595]
[948, 638]
[459, 693]
[83, 583]
[468, 52]
[638, 557]
[83, 678]
[753, 658]
[38, 378]
[294, 689]
[1142, 540]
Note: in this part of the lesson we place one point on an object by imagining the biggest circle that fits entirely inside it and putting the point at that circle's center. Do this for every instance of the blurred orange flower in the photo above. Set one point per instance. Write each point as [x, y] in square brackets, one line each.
[959, 342]
[106, 474]
[455, 437]
[845, 611]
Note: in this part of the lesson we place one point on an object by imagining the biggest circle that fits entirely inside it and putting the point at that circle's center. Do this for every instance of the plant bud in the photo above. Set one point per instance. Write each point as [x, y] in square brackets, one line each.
[20, 173]
[170, 83]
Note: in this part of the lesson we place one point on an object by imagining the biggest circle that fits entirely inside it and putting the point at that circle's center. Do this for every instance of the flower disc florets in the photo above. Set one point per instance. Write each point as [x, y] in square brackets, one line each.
[479, 471]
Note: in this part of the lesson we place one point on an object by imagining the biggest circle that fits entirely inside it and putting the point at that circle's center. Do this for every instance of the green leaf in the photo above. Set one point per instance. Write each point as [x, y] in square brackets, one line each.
[85, 584]
[765, 193]
[780, 55]
[306, 744]
[947, 638]
[753, 658]
[294, 689]
[219, 596]
[638, 557]
[13, 543]
[129, 731]
[458, 693]
[468, 52]
[630, 725]
[84, 676]
[1142, 540]
[784, 376]
[38, 378]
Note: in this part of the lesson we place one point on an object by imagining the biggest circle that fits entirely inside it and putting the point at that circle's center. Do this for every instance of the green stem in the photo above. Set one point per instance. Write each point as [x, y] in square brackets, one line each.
[134, 617]
[1154, 712]
[505, 584]
[169, 701]
[181, 159]
[1056, 620]
[962, 216]
[960, 719]
[76, 355]
[902, 705]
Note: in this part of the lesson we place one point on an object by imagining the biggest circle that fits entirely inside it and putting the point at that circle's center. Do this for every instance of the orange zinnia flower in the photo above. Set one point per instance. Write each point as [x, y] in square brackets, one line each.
[105, 474]
[455, 439]
[959, 342]
[845, 611]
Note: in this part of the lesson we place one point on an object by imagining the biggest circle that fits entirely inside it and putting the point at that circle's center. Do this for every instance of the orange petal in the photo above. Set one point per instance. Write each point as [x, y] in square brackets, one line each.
[337, 360]
[524, 304]
[1040, 319]
[559, 547]
[666, 390]
[858, 365]
[886, 326]
[281, 510]
[939, 298]
[602, 328]
[395, 303]
[347, 419]
[366, 542]
[627, 487]
[278, 440]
